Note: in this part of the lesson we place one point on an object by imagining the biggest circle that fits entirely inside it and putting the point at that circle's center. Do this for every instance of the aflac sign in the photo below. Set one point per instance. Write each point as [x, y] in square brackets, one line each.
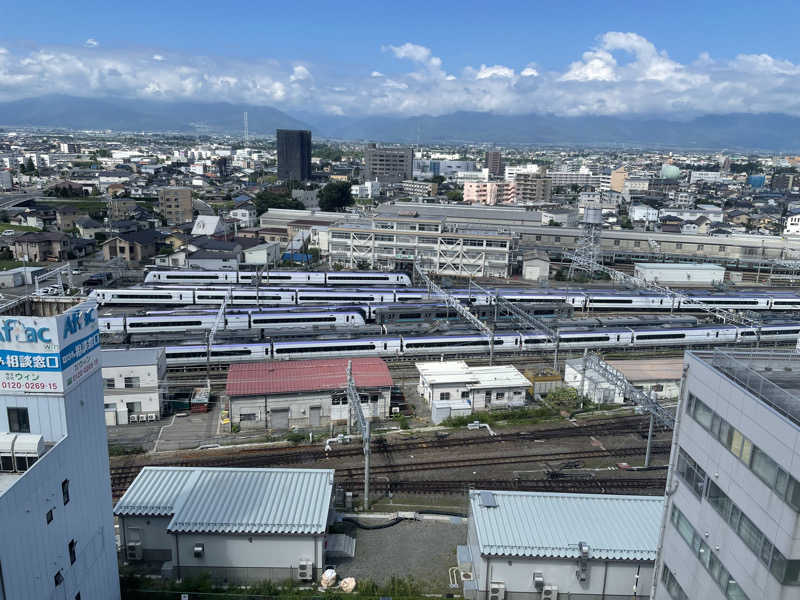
[14, 331]
[76, 321]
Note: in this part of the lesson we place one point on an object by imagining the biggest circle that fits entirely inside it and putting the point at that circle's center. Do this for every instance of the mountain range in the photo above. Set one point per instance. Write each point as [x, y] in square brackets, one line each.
[767, 131]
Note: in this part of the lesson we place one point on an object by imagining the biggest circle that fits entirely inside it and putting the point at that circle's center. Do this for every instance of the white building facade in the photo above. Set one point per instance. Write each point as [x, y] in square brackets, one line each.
[57, 539]
[732, 525]
[134, 385]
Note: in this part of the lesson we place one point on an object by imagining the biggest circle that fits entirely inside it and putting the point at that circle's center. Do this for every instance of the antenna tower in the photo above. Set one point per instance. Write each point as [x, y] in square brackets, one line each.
[246, 133]
[587, 251]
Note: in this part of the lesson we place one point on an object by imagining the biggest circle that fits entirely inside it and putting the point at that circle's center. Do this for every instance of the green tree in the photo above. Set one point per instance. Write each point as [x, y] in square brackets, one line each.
[335, 196]
[455, 195]
[28, 168]
[265, 200]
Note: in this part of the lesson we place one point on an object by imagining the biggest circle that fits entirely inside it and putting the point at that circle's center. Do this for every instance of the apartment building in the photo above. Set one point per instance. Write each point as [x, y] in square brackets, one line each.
[294, 154]
[395, 243]
[388, 165]
[532, 188]
[57, 538]
[175, 204]
[732, 524]
[419, 188]
[489, 192]
[494, 162]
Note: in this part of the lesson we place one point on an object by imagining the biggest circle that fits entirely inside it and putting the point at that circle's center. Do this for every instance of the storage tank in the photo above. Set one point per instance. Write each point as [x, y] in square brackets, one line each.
[593, 216]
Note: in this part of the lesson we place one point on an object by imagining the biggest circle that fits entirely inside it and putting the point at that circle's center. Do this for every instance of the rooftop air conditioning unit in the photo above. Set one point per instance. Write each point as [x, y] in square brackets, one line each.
[133, 551]
[305, 570]
[497, 590]
[550, 592]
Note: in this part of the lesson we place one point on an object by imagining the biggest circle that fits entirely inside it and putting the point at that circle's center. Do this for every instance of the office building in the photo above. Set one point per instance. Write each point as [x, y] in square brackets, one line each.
[494, 162]
[546, 546]
[294, 154]
[175, 204]
[57, 537]
[234, 525]
[388, 165]
[732, 528]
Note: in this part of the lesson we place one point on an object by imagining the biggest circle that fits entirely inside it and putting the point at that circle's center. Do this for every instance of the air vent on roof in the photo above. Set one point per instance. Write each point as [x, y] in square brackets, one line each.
[488, 500]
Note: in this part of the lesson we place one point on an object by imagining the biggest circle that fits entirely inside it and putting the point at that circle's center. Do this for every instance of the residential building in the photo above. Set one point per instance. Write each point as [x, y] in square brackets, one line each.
[208, 225]
[134, 247]
[309, 198]
[268, 253]
[6, 182]
[532, 188]
[388, 165]
[419, 188]
[69, 148]
[134, 384]
[237, 526]
[40, 247]
[711, 212]
[494, 162]
[454, 389]
[643, 212]
[88, 228]
[245, 214]
[618, 177]
[121, 208]
[396, 242]
[732, 525]
[552, 545]
[792, 226]
[294, 154]
[510, 172]
[368, 189]
[705, 177]
[489, 192]
[582, 178]
[175, 204]
[57, 527]
[282, 395]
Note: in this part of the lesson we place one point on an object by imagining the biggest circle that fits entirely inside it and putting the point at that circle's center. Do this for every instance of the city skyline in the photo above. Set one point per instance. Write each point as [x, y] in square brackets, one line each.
[582, 60]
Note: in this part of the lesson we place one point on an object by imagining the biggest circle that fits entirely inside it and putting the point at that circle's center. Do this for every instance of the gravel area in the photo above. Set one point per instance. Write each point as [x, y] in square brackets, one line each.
[422, 549]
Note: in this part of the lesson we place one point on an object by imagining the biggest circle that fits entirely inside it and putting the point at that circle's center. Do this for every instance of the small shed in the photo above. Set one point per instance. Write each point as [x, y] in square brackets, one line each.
[237, 525]
[556, 545]
[680, 273]
[305, 393]
[536, 266]
[660, 377]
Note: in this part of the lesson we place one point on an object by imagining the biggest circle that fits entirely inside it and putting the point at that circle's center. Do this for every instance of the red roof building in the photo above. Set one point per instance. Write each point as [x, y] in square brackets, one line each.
[305, 393]
[297, 376]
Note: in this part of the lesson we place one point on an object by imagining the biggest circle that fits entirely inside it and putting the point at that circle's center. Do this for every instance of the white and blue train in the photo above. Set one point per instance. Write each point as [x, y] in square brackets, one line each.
[332, 278]
[578, 299]
[505, 343]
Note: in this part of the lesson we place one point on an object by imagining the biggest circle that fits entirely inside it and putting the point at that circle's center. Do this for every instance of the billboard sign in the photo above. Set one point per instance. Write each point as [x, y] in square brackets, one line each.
[48, 354]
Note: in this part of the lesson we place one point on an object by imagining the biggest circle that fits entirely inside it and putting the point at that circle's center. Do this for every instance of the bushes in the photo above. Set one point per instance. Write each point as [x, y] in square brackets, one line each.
[510, 416]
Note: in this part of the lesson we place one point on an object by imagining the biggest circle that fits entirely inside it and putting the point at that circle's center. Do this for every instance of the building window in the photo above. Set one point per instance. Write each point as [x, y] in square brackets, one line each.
[71, 549]
[58, 578]
[678, 245]
[671, 584]
[108, 382]
[132, 382]
[465, 395]
[18, 421]
[616, 242]
[699, 247]
[500, 395]
[247, 417]
[444, 395]
[65, 491]
[49, 516]
[692, 473]
[637, 243]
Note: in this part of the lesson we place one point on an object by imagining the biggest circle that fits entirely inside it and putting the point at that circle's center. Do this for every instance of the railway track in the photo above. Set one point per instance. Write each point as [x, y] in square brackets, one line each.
[123, 475]
[500, 460]
[607, 485]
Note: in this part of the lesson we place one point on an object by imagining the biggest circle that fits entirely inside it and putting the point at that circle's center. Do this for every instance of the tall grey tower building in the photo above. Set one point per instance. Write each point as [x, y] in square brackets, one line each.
[294, 154]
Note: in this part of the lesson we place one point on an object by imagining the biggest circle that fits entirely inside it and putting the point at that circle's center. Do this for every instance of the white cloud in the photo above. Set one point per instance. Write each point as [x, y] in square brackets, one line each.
[496, 71]
[619, 73]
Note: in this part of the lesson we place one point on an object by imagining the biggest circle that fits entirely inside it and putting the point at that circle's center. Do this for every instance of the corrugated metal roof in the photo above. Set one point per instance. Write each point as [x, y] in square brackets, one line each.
[153, 492]
[240, 501]
[251, 379]
[130, 357]
[551, 525]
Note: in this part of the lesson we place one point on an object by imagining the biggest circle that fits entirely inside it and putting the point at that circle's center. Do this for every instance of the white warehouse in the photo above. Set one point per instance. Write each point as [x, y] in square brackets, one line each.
[680, 273]
[239, 525]
[547, 545]
[453, 388]
[134, 382]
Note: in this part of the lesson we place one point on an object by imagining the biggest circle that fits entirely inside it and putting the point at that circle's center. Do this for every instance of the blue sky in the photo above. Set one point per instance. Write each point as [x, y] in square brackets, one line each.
[413, 57]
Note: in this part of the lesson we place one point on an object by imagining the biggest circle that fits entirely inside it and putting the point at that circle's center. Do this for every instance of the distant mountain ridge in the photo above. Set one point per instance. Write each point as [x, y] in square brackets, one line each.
[767, 131]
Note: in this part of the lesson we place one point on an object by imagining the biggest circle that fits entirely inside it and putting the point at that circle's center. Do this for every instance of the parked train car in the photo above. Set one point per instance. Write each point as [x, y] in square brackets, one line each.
[333, 278]
[529, 341]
